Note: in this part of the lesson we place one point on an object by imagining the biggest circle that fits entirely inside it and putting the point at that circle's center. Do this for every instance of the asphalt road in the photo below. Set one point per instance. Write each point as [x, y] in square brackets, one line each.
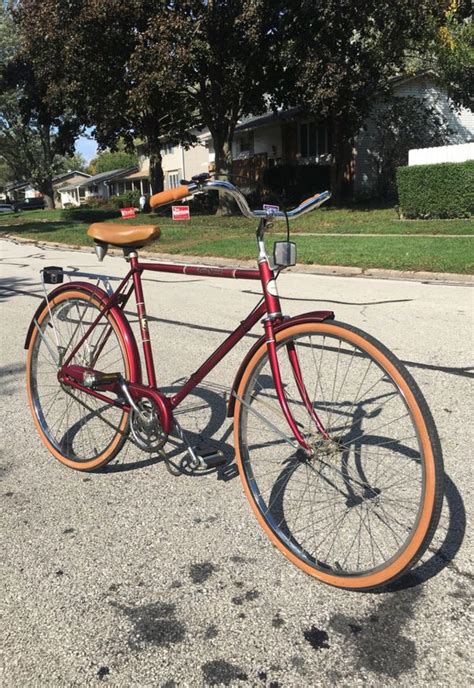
[134, 577]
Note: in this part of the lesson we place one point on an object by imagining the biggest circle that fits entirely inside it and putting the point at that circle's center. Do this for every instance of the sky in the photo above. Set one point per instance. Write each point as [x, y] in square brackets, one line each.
[86, 147]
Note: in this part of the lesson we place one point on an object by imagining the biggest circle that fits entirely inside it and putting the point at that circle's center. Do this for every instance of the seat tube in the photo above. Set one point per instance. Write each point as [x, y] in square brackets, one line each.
[142, 319]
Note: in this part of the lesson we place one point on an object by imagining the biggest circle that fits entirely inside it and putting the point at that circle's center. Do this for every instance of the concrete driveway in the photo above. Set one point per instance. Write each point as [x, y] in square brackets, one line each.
[133, 577]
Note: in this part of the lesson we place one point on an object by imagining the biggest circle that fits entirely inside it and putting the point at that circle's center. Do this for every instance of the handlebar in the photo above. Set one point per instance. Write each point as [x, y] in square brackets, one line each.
[226, 187]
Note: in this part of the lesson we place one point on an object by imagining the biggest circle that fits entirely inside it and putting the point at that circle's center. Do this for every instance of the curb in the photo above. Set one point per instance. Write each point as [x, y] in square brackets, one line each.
[313, 269]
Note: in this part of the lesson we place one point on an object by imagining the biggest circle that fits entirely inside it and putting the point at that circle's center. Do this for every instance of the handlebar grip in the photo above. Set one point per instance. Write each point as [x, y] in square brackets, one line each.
[169, 196]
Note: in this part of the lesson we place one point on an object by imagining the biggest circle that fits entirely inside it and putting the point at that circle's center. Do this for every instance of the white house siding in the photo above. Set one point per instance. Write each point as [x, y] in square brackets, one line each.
[431, 156]
[183, 164]
[462, 124]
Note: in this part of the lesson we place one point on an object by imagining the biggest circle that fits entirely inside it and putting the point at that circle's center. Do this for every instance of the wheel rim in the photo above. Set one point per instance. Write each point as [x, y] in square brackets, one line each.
[354, 508]
[76, 426]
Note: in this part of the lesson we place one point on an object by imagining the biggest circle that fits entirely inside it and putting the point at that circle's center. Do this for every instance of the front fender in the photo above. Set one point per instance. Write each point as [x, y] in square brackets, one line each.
[100, 295]
[313, 316]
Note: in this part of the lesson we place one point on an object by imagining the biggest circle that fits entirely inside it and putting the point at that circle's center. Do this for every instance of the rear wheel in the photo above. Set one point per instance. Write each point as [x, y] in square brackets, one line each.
[364, 507]
[80, 430]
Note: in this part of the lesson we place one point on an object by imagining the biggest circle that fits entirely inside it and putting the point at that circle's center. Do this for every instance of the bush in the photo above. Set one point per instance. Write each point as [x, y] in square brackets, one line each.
[95, 202]
[445, 190]
[129, 199]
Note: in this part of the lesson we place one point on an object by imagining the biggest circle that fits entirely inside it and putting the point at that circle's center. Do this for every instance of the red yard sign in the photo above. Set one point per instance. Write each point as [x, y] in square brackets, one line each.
[128, 212]
[180, 212]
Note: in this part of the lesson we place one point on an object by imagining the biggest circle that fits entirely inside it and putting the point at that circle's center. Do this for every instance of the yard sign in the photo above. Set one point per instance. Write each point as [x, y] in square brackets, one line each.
[180, 212]
[128, 212]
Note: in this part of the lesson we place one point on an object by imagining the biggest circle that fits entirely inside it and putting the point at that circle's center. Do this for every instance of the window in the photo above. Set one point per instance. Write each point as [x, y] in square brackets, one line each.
[314, 140]
[146, 186]
[246, 143]
[174, 179]
[168, 149]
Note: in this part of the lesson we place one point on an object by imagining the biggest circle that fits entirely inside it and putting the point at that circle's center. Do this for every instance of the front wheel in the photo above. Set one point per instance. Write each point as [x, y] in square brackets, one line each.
[363, 508]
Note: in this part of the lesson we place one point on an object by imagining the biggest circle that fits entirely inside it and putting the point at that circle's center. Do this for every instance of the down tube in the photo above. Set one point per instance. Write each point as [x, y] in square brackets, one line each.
[219, 353]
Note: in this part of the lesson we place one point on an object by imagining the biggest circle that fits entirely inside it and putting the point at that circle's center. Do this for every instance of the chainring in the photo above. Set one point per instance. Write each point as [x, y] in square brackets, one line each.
[145, 427]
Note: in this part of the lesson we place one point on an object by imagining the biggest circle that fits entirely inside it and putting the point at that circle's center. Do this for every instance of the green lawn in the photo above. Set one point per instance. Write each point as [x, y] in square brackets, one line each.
[234, 237]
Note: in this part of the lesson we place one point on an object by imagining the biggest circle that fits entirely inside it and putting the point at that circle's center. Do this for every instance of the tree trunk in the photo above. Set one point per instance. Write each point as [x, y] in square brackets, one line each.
[342, 153]
[157, 178]
[46, 188]
[223, 170]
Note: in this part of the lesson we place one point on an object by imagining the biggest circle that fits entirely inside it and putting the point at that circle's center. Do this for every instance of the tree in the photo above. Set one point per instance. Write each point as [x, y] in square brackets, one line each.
[100, 77]
[339, 55]
[75, 162]
[449, 52]
[35, 132]
[402, 123]
[453, 50]
[109, 160]
[220, 55]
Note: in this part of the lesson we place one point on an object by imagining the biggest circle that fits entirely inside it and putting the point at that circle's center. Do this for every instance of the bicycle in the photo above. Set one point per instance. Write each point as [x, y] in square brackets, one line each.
[336, 447]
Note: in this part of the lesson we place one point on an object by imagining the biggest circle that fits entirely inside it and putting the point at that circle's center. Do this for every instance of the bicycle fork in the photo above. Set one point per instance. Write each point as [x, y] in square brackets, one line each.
[275, 368]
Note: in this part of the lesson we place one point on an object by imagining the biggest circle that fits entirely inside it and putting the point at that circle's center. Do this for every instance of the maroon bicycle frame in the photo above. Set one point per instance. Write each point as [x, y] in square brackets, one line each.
[268, 309]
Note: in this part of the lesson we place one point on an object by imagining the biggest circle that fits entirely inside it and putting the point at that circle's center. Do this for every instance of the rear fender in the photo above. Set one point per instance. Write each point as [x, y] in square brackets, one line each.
[100, 295]
[313, 316]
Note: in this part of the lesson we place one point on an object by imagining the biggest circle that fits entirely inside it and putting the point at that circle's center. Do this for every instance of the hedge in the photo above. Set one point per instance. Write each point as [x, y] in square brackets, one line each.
[83, 214]
[444, 190]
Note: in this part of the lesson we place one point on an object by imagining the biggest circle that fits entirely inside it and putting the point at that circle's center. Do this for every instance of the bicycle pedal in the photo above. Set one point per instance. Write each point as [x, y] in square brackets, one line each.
[210, 457]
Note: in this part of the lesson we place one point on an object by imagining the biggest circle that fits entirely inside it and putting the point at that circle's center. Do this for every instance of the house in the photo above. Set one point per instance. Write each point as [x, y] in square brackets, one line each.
[292, 138]
[21, 191]
[178, 163]
[425, 87]
[273, 139]
[72, 177]
[99, 186]
[183, 163]
[137, 179]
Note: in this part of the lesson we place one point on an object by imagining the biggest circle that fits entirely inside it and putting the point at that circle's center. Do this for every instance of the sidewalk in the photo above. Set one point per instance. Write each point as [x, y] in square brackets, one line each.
[334, 270]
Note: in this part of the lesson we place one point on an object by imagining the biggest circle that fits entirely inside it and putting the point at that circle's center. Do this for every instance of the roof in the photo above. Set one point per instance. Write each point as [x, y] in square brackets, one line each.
[268, 118]
[405, 78]
[141, 174]
[72, 182]
[14, 186]
[102, 177]
[69, 173]
[265, 120]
